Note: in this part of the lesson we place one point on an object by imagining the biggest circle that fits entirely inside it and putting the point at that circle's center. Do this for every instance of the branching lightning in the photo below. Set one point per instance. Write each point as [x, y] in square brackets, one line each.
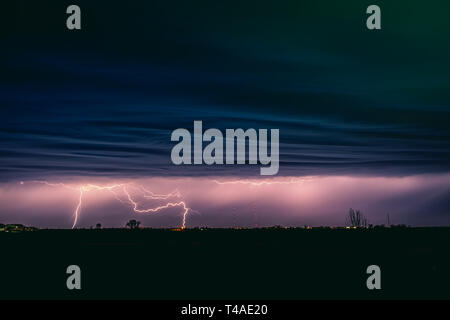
[129, 194]
[257, 183]
[181, 204]
[114, 189]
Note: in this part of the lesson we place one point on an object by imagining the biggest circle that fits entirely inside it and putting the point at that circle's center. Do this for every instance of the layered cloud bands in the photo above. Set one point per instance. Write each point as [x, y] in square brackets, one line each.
[366, 113]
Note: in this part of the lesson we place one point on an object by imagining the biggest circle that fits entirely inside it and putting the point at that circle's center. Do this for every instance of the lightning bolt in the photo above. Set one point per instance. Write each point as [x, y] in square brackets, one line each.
[82, 189]
[78, 208]
[181, 204]
[151, 195]
[257, 183]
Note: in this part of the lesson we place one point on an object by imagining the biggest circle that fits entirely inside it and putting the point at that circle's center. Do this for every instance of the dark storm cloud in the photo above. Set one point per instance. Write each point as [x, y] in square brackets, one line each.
[104, 101]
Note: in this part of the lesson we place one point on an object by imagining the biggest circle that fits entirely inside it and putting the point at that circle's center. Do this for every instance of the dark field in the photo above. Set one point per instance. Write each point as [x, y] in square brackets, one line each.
[227, 264]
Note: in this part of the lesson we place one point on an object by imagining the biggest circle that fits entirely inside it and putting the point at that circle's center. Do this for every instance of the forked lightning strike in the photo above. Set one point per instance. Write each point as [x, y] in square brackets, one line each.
[257, 183]
[129, 199]
[168, 205]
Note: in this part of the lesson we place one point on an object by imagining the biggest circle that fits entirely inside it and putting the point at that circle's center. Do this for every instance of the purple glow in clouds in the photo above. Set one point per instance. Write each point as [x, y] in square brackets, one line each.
[420, 200]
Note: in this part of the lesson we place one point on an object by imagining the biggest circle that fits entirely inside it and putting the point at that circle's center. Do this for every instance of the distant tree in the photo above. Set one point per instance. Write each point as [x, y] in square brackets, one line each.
[357, 219]
[98, 226]
[133, 224]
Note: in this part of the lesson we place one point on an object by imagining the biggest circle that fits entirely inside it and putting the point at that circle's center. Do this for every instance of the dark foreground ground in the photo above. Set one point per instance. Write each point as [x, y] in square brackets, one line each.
[227, 264]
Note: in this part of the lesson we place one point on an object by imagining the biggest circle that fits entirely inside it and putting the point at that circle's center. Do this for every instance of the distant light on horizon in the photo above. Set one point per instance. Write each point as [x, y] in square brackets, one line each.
[224, 202]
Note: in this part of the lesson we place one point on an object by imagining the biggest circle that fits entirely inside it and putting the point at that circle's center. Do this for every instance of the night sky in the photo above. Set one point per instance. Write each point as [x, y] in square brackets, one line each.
[363, 115]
